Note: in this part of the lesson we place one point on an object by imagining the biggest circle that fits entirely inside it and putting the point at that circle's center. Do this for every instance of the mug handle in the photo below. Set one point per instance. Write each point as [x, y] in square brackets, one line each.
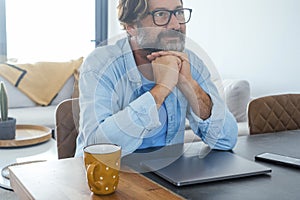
[90, 176]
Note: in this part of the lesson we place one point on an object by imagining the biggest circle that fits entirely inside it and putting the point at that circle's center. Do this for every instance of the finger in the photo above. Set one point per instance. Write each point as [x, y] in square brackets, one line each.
[165, 53]
[180, 55]
[151, 57]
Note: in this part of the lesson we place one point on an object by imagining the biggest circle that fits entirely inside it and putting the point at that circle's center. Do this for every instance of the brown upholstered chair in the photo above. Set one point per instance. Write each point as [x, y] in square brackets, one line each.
[274, 113]
[66, 130]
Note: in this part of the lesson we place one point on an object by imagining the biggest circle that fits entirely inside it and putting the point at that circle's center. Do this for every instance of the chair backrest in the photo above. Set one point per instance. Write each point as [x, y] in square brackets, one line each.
[66, 129]
[274, 113]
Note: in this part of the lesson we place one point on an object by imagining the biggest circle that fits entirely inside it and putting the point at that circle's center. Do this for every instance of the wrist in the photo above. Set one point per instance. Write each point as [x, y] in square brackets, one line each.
[159, 93]
[188, 85]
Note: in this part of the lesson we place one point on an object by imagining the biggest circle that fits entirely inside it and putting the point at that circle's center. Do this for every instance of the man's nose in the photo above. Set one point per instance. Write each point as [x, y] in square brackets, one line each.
[174, 23]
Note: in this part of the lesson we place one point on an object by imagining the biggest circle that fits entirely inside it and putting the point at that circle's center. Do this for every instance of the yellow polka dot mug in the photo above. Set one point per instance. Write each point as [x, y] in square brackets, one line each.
[102, 163]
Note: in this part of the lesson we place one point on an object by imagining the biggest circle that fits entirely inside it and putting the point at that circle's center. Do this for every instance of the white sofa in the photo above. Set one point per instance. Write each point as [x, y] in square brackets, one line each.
[28, 112]
[237, 97]
[236, 94]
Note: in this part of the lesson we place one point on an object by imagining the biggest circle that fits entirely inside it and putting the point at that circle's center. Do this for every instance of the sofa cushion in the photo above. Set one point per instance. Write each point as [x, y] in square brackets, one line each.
[243, 128]
[16, 98]
[41, 81]
[19, 99]
[66, 92]
[237, 97]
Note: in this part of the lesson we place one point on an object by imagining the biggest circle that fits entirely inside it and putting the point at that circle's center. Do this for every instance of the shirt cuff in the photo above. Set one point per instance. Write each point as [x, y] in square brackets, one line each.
[145, 111]
[198, 119]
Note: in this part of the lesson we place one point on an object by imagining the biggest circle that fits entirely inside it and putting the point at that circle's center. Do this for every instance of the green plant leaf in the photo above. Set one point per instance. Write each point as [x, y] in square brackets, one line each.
[3, 102]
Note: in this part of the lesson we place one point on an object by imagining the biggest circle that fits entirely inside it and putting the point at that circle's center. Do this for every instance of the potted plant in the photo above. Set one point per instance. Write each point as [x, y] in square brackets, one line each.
[7, 124]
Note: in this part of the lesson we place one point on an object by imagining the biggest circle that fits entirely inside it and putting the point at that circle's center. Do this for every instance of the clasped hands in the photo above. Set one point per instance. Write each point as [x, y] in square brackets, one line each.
[170, 68]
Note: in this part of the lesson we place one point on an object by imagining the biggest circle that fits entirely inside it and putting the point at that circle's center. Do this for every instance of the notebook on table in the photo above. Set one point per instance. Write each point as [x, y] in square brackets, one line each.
[216, 165]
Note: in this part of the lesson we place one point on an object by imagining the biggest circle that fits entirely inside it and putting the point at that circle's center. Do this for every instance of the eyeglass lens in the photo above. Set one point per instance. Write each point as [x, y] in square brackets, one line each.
[162, 17]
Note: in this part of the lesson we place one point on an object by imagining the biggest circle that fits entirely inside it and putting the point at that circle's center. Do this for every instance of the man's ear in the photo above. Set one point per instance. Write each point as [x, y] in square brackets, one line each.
[131, 30]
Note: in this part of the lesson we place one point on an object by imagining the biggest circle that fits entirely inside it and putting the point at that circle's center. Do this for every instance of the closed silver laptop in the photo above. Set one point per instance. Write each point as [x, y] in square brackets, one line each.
[190, 168]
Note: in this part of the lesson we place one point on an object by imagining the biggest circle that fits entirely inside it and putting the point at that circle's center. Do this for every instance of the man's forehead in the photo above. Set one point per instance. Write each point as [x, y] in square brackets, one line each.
[166, 4]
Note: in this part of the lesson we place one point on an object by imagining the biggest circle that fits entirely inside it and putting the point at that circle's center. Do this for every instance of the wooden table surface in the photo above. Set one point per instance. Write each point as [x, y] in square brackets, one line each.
[9, 156]
[65, 179]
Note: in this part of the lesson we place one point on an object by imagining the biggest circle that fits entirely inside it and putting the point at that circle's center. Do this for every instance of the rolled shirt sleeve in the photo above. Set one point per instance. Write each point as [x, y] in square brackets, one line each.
[219, 131]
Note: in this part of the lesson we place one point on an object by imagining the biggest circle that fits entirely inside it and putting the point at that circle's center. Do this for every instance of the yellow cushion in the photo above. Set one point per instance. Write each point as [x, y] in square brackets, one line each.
[40, 81]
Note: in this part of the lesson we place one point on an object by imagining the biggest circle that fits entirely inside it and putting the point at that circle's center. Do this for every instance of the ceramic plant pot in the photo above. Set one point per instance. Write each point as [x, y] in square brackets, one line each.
[8, 129]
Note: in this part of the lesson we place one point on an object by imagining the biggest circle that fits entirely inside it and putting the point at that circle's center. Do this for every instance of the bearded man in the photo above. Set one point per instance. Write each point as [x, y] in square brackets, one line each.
[138, 92]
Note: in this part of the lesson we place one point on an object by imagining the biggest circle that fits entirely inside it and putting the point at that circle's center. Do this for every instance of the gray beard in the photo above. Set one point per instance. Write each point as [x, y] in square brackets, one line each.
[160, 44]
[174, 45]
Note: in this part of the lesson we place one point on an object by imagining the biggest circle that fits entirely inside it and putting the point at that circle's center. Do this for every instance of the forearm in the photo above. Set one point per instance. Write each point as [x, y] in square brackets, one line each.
[198, 99]
[127, 127]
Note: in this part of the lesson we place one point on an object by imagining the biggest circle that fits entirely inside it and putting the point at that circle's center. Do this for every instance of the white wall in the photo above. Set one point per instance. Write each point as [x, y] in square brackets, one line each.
[256, 40]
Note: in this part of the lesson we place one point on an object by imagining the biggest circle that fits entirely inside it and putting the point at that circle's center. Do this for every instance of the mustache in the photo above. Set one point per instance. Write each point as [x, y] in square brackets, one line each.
[171, 33]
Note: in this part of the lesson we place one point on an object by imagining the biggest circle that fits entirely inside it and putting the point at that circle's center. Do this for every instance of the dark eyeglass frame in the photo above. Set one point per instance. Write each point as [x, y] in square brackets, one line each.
[172, 12]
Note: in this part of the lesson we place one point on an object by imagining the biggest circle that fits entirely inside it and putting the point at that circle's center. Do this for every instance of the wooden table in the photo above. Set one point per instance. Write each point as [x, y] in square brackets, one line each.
[65, 179]
[51, 180]
[43, 151]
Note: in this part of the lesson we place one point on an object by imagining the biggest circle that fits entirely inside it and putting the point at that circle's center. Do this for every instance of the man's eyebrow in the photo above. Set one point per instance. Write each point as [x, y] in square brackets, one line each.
[179, 7]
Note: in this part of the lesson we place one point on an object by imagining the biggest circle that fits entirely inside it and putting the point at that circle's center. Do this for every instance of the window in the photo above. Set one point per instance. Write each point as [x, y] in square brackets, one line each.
[49, 29]
[2, 32]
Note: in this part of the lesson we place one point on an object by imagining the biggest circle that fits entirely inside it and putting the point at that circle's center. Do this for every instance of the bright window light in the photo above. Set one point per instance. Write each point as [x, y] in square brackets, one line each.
[49, 30]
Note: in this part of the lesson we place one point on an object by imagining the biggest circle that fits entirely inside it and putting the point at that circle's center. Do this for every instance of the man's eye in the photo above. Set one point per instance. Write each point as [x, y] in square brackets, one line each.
[180, 13]
[161, 14]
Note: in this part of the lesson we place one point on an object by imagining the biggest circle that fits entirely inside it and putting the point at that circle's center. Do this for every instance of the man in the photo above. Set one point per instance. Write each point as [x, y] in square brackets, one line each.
[138, 92]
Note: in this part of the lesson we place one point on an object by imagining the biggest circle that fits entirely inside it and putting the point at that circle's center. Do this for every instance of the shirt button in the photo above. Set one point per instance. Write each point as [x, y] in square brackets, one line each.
[172, 118]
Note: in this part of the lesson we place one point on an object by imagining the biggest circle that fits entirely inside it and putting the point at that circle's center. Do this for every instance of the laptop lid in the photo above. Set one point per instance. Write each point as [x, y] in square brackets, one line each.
[190, 168]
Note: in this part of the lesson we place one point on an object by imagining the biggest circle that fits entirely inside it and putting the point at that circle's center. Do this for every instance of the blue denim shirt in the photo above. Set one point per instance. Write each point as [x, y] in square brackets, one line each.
[115, 109]
[157, 136]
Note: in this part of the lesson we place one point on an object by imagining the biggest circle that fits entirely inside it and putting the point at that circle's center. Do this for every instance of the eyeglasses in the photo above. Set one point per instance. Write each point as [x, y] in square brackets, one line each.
[162, 17]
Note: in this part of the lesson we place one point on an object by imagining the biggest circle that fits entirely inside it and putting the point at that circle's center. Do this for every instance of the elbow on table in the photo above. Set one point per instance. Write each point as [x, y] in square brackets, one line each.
[229, 140]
